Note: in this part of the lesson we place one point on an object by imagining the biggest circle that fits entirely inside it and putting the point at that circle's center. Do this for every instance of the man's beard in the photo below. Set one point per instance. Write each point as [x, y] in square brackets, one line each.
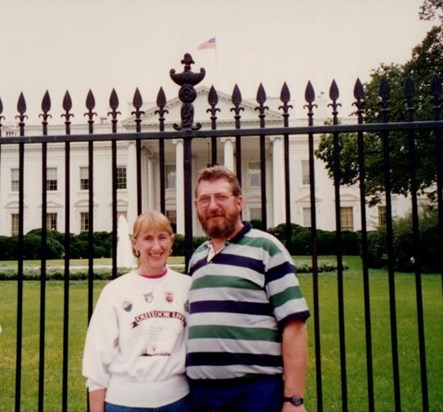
[218, 230]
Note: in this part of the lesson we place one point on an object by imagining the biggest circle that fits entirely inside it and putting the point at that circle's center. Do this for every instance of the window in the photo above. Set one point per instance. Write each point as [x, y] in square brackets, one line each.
[307, 217]
[121, 177]
[84, 178]
[14, 180]
[170, 176]
[84, 221]
[172, 215]
[14, 224]
[254, 174]
[381, 215]
[51, 221]
[305, 175]
[51, 178]
[347, 219]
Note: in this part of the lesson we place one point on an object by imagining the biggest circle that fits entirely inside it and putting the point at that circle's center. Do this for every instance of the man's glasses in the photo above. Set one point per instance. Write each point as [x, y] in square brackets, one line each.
[219, 198]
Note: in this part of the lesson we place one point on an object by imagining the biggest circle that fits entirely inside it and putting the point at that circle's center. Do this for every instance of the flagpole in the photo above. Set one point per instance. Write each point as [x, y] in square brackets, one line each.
[211, 44]
[215, 61]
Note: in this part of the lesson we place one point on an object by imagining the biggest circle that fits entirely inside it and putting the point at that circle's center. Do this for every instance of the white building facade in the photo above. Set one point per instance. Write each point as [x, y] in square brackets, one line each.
[174, 158]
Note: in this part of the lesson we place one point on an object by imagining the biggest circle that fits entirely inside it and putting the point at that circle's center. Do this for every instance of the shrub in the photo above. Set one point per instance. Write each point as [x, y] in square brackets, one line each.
[351, 243]
[179, 244]
[430, 250]
[55, 245]
[301, 243]
[377, 248]
[8, 247]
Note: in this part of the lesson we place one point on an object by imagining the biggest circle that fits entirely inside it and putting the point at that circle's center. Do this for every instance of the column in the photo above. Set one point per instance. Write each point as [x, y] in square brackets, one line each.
[179, 185]
[229, 151]
[150, 192]
[278, 188]
[131, 181]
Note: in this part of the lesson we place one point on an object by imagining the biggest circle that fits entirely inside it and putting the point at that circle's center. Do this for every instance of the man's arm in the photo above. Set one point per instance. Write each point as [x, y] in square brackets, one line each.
[295, 361]
[97, 400]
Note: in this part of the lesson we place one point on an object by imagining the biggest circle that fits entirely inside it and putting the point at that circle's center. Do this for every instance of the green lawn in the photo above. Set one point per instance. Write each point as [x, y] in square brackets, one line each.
[330, 352]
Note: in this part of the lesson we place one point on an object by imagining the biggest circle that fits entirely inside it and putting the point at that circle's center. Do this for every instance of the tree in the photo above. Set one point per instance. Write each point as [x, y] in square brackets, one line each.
[425, 63]
[431, 9]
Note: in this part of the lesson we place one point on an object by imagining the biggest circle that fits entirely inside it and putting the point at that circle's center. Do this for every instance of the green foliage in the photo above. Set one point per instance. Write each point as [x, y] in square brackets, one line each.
[426, 62]
[179, 244]
[257, 224]
[301, 240]
[377, 257]
[55, 245]
[58, 273]
[429, 257]
[8, 247]
[431, 9]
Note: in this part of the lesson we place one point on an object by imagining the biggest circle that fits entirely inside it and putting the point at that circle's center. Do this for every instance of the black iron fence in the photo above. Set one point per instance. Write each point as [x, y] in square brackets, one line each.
[190, 132]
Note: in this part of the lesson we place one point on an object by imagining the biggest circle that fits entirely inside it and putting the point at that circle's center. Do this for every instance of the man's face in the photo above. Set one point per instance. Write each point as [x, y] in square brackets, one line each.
[217, 208]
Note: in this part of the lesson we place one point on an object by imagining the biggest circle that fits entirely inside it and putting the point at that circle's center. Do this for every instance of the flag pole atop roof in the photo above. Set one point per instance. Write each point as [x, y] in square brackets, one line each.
[209, 44]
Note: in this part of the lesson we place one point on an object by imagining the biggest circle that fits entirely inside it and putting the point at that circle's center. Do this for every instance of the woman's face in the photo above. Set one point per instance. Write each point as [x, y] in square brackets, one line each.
[153, 248]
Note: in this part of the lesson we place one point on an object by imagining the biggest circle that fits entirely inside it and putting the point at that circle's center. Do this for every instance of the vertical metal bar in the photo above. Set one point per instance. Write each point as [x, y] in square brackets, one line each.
[46, 104]
[20, 252]
[417, 264]
[114, 207]
[310, 96]
[238, 158]
[263, 193]
[41, 375]
[138, 149]
[21, 106]
[339, 251]
[213, 150]
[161, 155]
[213, 100]
[67, 105]
[161, 103]
[138, 102]
[288, 228]
[90, 105]
[66, 275]
[437, 100]
[391, 273]
[113, 103]
[187, 177]
[390, 248]
[364, 248]
[91, 227]
[261, 98]
[237, 109]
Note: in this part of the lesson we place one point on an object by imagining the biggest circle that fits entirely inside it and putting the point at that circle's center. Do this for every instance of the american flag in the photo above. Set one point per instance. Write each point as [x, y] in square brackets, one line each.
[210, 44]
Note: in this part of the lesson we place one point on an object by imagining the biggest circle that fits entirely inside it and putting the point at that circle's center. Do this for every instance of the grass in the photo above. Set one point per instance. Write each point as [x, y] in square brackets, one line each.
[329, 340]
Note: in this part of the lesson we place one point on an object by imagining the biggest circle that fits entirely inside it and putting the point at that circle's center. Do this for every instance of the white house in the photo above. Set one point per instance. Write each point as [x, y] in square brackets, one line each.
[126, 172]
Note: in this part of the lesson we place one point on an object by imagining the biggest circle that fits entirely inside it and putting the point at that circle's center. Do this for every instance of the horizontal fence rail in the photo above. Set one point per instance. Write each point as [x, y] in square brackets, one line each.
[416, 132]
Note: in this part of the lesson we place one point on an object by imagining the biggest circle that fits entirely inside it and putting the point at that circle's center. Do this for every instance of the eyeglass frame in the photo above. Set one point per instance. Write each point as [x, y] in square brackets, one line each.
[219, 199]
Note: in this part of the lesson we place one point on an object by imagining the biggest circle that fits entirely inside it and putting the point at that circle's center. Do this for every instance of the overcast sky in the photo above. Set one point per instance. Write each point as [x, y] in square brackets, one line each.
[77, 45]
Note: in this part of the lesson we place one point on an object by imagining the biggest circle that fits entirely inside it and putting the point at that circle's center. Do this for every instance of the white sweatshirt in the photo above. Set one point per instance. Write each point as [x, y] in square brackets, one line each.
[136, 341]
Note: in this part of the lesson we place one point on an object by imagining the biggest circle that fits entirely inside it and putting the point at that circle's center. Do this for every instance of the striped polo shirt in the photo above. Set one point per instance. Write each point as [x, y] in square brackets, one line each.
[240, 301]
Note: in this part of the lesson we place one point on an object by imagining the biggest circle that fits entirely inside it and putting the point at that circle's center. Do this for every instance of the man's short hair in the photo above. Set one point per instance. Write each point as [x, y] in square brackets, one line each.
[213, 173]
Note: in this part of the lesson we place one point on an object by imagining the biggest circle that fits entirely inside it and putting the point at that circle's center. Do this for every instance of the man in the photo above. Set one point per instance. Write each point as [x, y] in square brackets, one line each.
[247, 344]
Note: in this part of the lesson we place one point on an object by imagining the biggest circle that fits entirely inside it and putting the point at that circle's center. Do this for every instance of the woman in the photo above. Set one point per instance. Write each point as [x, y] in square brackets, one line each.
[134, 358]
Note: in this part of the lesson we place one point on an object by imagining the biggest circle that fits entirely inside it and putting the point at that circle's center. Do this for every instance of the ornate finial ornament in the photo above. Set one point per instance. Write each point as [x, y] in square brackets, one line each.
[187, 94]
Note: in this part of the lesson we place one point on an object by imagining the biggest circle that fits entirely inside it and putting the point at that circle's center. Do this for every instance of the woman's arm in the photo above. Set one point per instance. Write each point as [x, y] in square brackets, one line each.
[97, 400]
